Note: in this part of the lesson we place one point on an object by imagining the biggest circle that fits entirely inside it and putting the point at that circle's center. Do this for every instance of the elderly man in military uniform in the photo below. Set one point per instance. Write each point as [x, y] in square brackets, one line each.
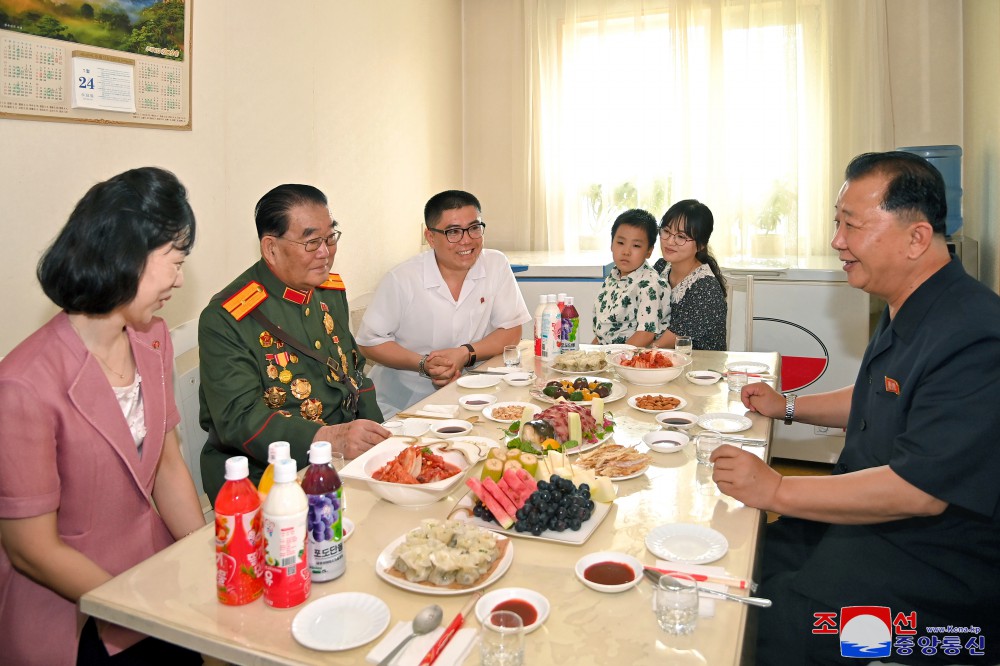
[278, 362]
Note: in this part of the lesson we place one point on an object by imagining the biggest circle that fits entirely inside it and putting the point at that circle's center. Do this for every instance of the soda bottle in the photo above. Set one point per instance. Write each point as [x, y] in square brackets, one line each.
[542, 300]
[551, 327]
[239, 543]
[275, 451]
[324, 491]
[570, 326]
[287, 582]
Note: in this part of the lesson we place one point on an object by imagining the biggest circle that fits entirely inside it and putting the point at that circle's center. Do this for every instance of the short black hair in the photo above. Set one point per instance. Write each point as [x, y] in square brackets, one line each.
[447, 200]
[95, 263]
[271, 212]
[915, 186]
[637, 217]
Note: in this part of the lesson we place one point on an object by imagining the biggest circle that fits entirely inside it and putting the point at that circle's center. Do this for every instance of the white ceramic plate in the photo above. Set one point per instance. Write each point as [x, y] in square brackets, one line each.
[340, 621]
[489, 602]
[633, 475]
[479, 381]
[488, 411]
[463, 511]
[690, 544]
[415, 427]
[604, 368]
[618, 391]
[608, 556]
[632, 402]
[724, 422]
[751, 367]
[385, 561]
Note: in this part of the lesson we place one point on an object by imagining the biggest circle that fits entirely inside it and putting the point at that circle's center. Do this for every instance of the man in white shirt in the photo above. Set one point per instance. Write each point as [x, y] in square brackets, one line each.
[443, 310]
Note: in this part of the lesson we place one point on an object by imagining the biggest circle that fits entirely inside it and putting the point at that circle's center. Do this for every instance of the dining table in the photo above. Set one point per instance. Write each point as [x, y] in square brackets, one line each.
[172, 595]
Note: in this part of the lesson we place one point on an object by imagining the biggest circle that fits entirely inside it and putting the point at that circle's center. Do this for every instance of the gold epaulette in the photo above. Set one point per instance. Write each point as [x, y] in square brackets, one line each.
[245, 300]
[333, 282]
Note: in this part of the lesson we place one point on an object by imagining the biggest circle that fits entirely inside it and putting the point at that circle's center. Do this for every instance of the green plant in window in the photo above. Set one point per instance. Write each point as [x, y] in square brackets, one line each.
[780, 204]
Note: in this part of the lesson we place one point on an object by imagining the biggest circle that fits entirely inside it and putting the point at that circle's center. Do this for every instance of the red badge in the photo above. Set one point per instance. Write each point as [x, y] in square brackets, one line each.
[156, 344]
[891, 386]
[482, 299]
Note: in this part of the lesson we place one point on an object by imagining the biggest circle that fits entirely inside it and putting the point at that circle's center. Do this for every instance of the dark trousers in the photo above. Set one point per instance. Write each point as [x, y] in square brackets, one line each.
[147, 652]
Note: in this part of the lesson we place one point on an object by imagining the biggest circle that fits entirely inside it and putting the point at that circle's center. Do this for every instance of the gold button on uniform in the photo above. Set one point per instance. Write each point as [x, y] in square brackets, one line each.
[307, 312]
[318, 345]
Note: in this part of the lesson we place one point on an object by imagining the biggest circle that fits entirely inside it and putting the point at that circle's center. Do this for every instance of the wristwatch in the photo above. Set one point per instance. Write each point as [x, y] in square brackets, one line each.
[421, 370]
[789, 408]
[472, 355]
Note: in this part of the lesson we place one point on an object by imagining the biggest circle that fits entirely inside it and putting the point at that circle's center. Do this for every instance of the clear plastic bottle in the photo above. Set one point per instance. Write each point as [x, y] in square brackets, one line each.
[287, 581]
[570, 326]
[551, 328]
[275, 451]
[239, 542]
[324, 491]
[542, 300]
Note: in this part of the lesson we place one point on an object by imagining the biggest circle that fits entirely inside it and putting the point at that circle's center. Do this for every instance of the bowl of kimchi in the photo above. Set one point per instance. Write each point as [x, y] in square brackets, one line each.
[409, 473]
[649, 367]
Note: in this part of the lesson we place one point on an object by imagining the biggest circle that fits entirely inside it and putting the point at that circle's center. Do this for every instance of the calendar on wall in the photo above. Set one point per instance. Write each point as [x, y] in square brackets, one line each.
[113, 62]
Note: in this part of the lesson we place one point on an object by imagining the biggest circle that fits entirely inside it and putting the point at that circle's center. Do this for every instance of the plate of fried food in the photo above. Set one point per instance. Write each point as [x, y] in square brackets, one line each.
[654, 403]
[615, 461]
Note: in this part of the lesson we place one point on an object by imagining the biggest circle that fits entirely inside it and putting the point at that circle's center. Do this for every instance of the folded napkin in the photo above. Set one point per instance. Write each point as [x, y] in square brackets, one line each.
[451, 411]
[455, 652]
[706, 602]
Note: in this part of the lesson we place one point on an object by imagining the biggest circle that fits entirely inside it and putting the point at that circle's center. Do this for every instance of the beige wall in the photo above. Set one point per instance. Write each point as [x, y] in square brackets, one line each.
[981, 25]
[361, 99]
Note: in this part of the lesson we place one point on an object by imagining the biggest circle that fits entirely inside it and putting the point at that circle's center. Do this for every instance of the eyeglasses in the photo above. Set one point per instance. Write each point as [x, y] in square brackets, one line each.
[313, 244]
[455, 234]
[679, 239]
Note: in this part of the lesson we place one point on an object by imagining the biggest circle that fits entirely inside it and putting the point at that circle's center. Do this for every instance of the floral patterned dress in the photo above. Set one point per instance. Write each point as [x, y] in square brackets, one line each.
[697, 308]
[631, 303]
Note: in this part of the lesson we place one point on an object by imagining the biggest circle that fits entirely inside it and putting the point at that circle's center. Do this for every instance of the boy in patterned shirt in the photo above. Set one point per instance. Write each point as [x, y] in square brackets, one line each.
[634, 298]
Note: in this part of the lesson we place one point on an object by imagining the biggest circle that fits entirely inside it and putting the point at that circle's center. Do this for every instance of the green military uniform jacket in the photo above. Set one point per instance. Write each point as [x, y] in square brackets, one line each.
[255, 389]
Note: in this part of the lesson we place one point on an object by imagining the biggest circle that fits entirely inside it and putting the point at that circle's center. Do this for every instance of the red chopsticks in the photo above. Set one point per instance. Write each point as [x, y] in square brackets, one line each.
[450, 632]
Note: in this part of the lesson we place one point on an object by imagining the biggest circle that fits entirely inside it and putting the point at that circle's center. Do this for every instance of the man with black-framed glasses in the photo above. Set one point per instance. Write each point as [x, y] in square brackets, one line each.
[443, 310]
[278, 362]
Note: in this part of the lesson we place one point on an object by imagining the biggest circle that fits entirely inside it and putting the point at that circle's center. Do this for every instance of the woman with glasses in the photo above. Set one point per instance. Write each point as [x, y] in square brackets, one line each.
[697, 288]
[92, 480]
[443, 310]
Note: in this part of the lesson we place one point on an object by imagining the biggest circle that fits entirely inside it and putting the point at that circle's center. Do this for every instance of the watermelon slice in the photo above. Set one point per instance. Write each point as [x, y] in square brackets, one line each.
[500, 496]
[502, 517]
[528, 480]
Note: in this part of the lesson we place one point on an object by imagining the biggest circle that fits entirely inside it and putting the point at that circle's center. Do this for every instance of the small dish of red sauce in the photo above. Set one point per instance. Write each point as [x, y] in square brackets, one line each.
[609, 571]
[531, 606]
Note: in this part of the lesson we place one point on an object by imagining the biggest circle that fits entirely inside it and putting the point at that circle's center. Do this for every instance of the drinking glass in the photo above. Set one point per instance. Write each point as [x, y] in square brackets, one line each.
[705, 444]
[683, 345]
[736, 379]
[501, 640]
[395, 427]
[676, 603]
[337, 460]
[512, 356]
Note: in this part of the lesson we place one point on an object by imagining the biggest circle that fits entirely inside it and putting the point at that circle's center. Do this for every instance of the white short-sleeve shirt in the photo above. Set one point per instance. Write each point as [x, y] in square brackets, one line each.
[414, 308]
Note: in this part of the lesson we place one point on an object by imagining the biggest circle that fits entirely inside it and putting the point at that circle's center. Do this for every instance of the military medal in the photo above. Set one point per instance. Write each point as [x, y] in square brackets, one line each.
[274, 397]
[311, 410]
[266, 339]
[272, 371]
[328, 323]
[293, 357]
[301, 388]
[285, 375]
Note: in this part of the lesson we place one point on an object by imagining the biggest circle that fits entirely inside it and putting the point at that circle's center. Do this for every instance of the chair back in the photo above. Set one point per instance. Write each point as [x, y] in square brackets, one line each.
[187, 380]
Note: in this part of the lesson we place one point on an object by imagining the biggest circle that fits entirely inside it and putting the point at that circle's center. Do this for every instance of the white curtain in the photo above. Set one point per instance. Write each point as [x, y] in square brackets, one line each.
[752, 106]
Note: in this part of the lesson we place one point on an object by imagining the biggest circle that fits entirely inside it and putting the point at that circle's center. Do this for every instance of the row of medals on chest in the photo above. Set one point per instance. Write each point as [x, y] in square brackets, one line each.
[300, 387]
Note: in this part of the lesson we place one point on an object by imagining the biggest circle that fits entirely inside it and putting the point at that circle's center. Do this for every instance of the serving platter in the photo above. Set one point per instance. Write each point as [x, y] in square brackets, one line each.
[387, 558]
[618, 391]
[463, 511]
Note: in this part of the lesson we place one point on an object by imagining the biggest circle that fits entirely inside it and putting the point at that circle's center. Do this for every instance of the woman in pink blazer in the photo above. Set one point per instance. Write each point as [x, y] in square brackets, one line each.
[91, 476]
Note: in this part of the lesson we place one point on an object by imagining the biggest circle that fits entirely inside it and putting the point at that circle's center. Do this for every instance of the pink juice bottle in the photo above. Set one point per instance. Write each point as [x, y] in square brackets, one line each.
[287, 582]
[324, 491]
[239, 543]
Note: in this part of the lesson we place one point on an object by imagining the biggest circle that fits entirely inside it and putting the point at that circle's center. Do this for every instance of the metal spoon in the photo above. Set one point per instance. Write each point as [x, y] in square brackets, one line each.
[425, 621]
[656, 577]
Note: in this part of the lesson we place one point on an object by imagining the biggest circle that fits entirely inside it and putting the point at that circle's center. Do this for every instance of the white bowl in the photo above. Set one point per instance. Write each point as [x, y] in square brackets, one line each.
[519, 379]
[608, 556]
[404, 494]
[451, 428]
[669, 419]
[665, 441]
[703, 377]
[650, 376]
[481, 399]
[415, 427]
[491, 599]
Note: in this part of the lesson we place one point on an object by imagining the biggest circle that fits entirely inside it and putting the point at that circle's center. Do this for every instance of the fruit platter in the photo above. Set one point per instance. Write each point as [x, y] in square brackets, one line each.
[582, 390]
